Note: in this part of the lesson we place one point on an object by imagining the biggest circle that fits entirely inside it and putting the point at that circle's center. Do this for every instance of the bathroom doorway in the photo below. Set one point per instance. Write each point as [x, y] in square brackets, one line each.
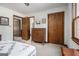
[17, 27]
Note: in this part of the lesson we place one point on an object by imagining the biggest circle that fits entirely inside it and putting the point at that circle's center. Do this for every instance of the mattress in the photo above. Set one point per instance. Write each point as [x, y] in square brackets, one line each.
[17, 49]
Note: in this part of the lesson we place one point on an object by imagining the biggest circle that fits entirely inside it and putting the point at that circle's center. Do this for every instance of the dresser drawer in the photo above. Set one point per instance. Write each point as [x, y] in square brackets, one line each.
[38, 34]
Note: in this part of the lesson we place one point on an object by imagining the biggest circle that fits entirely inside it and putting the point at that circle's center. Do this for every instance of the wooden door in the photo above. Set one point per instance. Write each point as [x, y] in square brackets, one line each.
[25, 28]
[56, 28]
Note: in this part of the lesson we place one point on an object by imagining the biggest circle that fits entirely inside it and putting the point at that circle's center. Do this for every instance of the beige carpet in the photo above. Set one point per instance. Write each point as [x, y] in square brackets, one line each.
[47, 49]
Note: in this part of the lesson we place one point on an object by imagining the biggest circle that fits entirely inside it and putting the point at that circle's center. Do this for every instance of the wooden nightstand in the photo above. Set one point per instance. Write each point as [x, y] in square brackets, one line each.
[39, 35]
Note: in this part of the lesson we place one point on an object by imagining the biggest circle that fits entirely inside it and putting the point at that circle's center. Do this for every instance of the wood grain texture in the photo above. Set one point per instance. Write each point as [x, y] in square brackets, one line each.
[38, 34]
[69, 52]
[25, 28]
[56, 28]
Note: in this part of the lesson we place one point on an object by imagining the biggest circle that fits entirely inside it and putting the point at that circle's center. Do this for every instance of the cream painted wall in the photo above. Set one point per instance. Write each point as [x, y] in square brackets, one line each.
[7, 31]
[44, 14]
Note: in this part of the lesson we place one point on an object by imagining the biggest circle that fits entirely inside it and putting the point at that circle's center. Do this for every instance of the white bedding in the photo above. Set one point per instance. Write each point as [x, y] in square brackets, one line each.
[5, 48]
[18, 49]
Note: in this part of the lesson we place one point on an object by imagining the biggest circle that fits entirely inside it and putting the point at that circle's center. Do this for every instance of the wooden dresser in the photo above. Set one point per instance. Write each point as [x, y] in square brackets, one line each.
[39, 35]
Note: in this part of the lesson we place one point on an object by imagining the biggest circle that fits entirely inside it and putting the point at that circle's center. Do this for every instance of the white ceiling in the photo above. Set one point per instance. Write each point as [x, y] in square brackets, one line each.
[33, 7]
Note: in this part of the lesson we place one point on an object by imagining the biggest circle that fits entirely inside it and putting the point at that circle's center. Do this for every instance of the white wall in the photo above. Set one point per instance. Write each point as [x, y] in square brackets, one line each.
[7, 31]
[44, 14]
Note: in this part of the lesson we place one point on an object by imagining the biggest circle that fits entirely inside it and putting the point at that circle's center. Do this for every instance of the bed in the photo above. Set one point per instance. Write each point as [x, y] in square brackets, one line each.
[13, 48]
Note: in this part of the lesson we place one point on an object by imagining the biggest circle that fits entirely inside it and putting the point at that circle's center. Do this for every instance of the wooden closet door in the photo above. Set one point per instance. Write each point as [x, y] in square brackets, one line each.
[26, 28]
[56, 28]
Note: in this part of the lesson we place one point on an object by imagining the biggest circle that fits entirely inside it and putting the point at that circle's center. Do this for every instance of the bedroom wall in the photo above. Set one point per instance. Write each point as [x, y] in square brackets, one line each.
[7, 31]
[44, 14]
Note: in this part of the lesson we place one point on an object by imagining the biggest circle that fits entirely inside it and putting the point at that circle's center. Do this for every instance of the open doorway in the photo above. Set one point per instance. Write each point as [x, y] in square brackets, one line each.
[21, 30]
[17, 27]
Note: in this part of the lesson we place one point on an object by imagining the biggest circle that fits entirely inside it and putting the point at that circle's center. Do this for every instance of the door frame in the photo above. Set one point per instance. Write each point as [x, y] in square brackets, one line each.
[33, 19]
[48, 24]
[13, 23]
[33, 23]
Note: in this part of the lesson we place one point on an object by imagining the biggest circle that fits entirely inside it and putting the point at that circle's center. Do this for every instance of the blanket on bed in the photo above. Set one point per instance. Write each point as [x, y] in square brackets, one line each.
[14, 48]
[5, 48]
